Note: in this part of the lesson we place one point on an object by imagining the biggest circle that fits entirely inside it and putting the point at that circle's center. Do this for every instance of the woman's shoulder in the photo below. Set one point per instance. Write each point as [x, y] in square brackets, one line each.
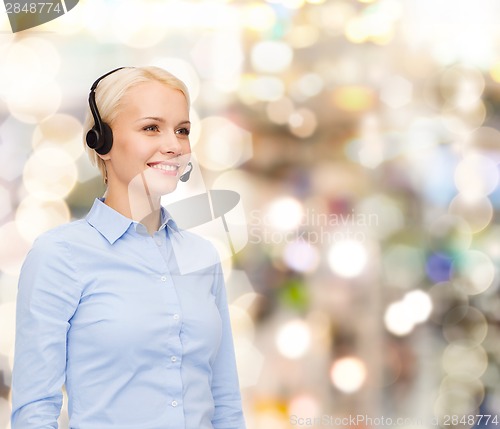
[63, 235]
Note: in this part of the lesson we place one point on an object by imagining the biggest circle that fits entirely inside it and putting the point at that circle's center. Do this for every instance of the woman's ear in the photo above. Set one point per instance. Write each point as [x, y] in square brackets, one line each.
[105, 157]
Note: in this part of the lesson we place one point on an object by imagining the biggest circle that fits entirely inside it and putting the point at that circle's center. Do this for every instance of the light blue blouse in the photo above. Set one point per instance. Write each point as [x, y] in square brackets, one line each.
[137, 326]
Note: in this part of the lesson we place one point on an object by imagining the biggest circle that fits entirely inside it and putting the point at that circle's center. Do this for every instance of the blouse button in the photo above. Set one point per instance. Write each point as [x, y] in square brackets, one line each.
[163, 278]
[176, 317]
[173, 358]
[174, 403]
[159, 241]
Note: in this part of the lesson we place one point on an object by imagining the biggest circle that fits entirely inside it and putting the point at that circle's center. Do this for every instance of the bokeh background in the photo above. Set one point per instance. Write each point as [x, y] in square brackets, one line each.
[363, 140]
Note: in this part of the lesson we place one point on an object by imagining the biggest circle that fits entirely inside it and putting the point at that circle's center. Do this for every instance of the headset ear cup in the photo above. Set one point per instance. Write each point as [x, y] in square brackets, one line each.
[106, 141]
[92, 138]
[108, 138]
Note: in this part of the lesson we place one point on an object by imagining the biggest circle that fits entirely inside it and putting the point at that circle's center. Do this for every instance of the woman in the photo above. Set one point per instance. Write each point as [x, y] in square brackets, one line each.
[123, 307]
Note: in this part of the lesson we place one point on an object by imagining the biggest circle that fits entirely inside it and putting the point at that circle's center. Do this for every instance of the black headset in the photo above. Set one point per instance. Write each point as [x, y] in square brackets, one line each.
[100, 136]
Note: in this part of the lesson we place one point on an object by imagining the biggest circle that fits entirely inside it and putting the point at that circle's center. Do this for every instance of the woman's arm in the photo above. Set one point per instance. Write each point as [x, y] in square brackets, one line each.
[47, 298]
[225, 387]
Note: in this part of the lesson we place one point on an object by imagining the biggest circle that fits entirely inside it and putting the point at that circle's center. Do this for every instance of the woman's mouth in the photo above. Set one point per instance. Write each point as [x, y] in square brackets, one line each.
[165, 167]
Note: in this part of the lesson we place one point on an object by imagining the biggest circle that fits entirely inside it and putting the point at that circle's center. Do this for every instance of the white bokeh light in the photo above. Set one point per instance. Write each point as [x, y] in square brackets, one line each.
[418, 304]
[348, 374]
[397, 320]
[284, 213]
[401, 316]
[293, 339]
[347, 258]
[271, 56]
[301, 256]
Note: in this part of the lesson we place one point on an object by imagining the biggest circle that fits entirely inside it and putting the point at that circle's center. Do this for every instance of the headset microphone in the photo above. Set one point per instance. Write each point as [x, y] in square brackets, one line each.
[185, 177]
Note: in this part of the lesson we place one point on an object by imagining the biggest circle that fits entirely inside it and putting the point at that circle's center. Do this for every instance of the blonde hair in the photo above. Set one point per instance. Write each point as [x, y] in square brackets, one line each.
[109, 94]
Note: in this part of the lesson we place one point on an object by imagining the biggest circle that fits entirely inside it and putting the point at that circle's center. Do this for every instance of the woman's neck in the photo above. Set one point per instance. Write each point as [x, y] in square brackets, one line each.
[138, 206]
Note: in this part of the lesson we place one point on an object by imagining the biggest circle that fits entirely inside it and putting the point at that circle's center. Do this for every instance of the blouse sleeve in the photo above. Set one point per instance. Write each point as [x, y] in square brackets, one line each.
[225, 386]
[47, 299]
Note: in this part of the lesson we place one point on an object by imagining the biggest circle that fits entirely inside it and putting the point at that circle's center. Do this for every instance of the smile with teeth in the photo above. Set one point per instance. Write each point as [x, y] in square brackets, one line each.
[165, 167]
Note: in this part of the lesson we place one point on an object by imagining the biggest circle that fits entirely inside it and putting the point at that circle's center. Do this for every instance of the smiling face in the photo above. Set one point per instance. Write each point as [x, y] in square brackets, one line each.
[150, 141]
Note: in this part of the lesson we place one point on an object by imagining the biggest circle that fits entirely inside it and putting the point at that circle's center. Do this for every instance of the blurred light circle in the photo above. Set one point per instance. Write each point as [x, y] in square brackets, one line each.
[484, 138]
[454, 403]
[243, 183]
[462, 86]
[249, 361]
[464, 123]
[463, 357]
[218, 56]
[465, 382]
[302, 122]
[223, 144]
[310, 84]
[279, 111]
[347, 258]
[302, 36]
[195, 131]
[489, 244]
[397, 319]
[95, 18]
[445, 296]
[396, 92]
[474, 272]
[290, 4]
[46, 53]
[301, 256]
[268, 88]
[477, 212]
[418, 305]
[284, 213]
[403, 266]
[259, 16]
[50, 174]
[465, 323]
[495, 71]
[353, 98]
[304, 404]
[69, 23]
[332, 17]
[182, 70]
[438, 266]
[138, 27]
[293, 339]
[356, 31]
[388, 214]
[13, 248]
[28, 63]
[476, 176]
[348, 374]
[61, 130]
[449, 232]
[5, 202]
[35, 103]
[241, 322]
[271, 56]
[34, 216]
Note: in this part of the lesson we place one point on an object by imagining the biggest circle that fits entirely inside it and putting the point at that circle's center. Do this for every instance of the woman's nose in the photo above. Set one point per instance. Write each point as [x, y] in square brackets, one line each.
[170, 144]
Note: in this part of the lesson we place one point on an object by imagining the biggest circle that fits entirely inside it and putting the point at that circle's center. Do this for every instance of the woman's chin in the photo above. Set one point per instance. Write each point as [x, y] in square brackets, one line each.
[155, 183]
